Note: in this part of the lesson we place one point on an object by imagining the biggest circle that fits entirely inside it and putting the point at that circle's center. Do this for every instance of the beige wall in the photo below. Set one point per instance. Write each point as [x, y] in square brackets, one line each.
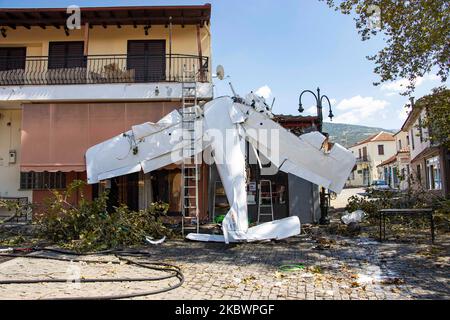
[111, 40]
[413, 132]
[374, 158]
[10, 140]
[403, 137]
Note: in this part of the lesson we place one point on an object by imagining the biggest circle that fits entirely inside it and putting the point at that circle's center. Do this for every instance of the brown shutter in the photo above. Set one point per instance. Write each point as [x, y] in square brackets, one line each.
[136, 59]
[12, 58]
[157, 60]
[75, 54]
[148, 59]
[67, 54]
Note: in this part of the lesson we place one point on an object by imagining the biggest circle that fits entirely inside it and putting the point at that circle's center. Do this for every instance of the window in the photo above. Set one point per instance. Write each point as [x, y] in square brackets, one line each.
[359, 151]
[12, 58]
[381, 150]
[66, 54]
[395, 176]
[407, 140]
[399, 144]
[365, 153]
[420, 129]
[148, 59]
[419, 173]
[434, 174]
[42, 180]
[412, 138]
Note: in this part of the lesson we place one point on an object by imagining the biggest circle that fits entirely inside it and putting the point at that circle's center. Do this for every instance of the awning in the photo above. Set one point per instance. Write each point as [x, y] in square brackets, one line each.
[55, 137]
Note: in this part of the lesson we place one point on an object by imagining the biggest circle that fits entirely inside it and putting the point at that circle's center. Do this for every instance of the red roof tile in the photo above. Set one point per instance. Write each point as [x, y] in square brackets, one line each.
[381, 136]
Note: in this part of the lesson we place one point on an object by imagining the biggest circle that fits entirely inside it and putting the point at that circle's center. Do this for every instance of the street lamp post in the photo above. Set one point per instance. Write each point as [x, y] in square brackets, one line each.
[319, 102]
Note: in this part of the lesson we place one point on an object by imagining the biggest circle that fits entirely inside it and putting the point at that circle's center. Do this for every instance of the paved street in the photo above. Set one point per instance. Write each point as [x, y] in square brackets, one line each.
[334, 268]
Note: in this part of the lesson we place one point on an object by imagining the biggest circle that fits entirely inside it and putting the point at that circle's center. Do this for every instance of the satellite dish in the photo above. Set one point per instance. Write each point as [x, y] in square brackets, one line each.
[220, 72]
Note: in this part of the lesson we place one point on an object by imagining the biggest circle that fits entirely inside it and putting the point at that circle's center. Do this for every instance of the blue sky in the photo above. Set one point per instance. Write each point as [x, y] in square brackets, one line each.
[289, 46]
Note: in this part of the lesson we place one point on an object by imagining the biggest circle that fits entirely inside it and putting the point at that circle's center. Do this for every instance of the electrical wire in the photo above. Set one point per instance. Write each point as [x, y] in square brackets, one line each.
[122, 255]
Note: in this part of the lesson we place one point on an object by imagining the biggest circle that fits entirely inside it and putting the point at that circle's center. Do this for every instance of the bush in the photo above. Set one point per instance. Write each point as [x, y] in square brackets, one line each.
[18, 209]
[87, 226]
[377, 200]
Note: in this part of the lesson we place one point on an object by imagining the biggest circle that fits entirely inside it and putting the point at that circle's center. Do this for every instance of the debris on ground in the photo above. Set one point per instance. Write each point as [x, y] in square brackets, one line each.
[324, 243]
[248, 279]
[392, 281]
[151, 240]
[353, 228]
[355, 217]
[315, 269]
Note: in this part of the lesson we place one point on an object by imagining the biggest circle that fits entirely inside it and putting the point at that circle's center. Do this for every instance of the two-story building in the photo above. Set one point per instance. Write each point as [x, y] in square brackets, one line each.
[430, 162]
[63, 90]
[396, 170]
[369, 154]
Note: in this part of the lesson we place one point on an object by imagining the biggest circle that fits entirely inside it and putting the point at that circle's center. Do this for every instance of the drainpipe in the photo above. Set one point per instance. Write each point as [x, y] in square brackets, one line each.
[170, 47]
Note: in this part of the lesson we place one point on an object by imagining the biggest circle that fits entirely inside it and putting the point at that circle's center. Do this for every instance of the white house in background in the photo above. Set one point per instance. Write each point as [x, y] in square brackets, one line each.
[370, 153]
[430, 162]
[396, 170]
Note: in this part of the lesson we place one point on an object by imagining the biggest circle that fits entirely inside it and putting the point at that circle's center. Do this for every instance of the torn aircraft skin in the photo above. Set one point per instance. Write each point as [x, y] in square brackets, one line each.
[223, 125]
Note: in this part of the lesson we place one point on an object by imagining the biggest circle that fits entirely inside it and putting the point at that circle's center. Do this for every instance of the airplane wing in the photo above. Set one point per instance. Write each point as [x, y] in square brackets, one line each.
[146, 147]
[302, 156]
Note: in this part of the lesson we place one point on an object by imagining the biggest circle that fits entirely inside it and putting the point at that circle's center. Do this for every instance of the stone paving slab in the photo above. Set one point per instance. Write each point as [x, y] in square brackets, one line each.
[344, 269]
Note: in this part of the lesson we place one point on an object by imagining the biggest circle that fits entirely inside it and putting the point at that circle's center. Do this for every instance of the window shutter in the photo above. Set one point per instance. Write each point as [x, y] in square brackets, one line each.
[75, 55]
[12, 58]
[157, 56]
[136, 59]
[148, 59]
[67, 54]
[56, 55]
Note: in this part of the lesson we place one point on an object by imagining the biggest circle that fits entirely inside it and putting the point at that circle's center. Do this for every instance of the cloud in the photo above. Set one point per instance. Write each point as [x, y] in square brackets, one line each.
[358, 109]
[402, 84]
[312, 110]
[403, 113]
[264, 92]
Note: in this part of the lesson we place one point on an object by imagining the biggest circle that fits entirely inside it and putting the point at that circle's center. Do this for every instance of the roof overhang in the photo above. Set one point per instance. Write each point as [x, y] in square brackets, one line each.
[108, 16]
[412, 117]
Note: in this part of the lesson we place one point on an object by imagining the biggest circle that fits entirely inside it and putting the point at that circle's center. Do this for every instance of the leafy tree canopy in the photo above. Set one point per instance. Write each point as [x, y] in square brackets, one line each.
[417, 35]
[437, 121]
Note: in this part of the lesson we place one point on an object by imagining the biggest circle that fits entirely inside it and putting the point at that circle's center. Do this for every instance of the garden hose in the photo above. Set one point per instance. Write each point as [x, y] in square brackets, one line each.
[291, 267]
[174, 271]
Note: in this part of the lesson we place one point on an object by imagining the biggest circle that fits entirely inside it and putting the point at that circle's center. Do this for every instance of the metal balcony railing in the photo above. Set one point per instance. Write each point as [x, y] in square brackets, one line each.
[95, 69]
[363, 159]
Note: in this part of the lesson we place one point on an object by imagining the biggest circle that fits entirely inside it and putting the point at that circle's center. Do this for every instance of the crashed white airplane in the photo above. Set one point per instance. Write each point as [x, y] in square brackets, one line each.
[151, 146]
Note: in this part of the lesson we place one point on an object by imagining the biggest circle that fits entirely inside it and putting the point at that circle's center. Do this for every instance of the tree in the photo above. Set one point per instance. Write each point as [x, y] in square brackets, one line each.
[416, 32]
[437, 121]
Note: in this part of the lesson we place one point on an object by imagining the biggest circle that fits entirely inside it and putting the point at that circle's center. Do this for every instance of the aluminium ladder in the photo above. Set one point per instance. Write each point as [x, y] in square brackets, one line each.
[267, 195]
[190, 165]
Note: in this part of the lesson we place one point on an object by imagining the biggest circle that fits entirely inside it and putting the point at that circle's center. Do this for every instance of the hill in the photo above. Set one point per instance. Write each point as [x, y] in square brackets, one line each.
[348, 134]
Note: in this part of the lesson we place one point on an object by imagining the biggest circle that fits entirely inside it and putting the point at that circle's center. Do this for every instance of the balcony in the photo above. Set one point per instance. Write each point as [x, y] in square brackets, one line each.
[102, 69]
[364, 159]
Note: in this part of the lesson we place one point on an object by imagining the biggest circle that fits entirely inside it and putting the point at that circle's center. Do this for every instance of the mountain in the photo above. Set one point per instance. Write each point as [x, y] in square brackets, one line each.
[349, 134]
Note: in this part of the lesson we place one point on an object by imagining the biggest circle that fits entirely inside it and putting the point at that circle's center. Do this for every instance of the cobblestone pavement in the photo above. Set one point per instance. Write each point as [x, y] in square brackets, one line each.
[334, 268]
